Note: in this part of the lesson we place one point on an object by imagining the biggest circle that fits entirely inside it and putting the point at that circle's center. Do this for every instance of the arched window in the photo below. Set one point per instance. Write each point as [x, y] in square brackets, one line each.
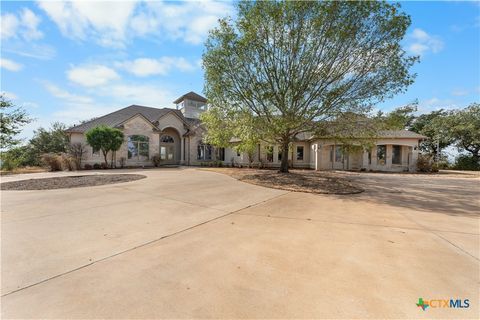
[167, 139]
[204, 151]
[138, 146]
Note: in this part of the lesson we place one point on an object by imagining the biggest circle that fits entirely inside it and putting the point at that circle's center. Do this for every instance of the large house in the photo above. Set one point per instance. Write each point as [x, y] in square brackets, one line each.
[175, 135]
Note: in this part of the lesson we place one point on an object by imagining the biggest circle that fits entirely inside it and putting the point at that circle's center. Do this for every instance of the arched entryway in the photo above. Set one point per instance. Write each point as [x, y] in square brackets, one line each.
[169, 146]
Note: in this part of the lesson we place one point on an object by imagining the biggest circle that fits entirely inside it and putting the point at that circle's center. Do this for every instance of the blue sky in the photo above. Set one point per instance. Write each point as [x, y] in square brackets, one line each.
[77, 60]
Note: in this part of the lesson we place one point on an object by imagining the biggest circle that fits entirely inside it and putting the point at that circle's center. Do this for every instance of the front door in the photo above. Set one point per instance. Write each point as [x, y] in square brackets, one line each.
[167, 154]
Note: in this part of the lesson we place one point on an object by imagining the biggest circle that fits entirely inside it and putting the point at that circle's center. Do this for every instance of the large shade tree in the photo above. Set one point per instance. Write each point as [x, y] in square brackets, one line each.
[463, 128]
[291, 65]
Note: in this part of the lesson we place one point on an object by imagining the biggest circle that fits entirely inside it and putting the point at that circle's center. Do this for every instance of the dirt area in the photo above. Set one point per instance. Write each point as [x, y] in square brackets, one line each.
[297, 180]
[22, 170]
[69, 182]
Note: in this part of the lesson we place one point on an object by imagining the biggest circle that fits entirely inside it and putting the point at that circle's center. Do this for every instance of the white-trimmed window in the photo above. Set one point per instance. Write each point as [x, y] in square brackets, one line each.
[138, 146]
[396, 154]
[381, 154]
[300, 153]
[204, 151]
[269, 153]
[338, 154]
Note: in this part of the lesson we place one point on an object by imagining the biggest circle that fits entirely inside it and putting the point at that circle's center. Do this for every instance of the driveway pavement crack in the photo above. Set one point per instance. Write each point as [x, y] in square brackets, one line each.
[141, 245]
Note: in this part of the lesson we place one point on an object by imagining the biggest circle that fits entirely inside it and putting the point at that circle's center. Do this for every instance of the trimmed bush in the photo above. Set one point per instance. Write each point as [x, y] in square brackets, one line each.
[156, 160]
[52, 161]
[87, 166]
[96, 166]
[466, 162]
[425, 164]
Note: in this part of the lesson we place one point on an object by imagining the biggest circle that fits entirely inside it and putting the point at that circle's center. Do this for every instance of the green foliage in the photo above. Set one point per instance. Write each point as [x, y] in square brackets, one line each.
[53, 140]
[466, 162]
[398, 119]
[426, 164]
[288, 66]
[21, 156]
[105, 139]
[156, 160]
[11, 122]
[464, 129]
[433, 126]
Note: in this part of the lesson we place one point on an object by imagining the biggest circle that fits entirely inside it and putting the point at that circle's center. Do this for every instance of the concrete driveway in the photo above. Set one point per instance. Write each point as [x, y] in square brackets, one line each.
[186, 243]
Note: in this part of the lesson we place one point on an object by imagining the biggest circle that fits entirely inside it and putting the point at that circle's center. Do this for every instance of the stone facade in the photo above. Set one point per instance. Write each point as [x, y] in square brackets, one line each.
[177, 138]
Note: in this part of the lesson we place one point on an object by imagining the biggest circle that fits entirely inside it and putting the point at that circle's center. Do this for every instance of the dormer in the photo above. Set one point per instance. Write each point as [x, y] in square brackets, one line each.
[191, 105]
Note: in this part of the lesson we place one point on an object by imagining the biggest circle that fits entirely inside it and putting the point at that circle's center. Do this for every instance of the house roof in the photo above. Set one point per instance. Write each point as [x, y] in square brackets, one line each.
[116, 118]
[395, 134]
[191, 96]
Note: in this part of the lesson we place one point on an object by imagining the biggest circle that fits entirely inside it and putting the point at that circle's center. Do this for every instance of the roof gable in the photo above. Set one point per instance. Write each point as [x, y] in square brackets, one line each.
[118, 117]
[191, 96]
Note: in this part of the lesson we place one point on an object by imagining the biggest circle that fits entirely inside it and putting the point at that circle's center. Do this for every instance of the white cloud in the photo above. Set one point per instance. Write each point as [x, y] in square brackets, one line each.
[104, 21]
[24, 26]
[91, 75]
[435, 103]
[30, 23]
[460, 92]
[9, 23]
[143, 94]
[144, 67]
[9, 95]
[421, 42]
[189, 21]
[65, 95]
[10, 65]
[112, 24]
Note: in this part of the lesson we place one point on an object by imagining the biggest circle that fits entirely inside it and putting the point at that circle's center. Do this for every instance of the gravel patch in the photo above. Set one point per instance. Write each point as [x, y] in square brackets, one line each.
[297, 180]
[69, 182]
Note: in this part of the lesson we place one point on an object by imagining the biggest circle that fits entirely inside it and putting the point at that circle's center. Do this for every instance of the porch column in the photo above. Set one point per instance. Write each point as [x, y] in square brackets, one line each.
[388, 162]
[182, 150]
[365, 163]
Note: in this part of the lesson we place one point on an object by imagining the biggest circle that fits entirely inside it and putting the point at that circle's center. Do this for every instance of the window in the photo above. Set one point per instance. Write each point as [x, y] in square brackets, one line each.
[204, 151]
[299, 152]
[338, 154]
[269, 151]
[279, 155]
[397, 154]
[95, 152]
[220, 154]
[138, 147]
[167, 139]
[370, 157]
[381, 154]
[238, 154]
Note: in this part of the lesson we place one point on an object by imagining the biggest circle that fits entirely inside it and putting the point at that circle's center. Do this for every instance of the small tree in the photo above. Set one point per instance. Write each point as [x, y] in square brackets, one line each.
[77, 150]
[53, 140]
[11, 122]
[105, 139]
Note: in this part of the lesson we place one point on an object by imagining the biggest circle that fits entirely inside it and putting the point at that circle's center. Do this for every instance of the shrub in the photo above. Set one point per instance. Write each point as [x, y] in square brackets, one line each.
[156, 160]
[425, 164]
[466, 162]
[104, 165]
[52, 161]
[9, 162]
[87, 166]
[96, 166]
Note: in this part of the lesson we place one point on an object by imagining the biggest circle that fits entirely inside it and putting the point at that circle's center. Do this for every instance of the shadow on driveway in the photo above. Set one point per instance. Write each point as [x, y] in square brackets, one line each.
[434, 193]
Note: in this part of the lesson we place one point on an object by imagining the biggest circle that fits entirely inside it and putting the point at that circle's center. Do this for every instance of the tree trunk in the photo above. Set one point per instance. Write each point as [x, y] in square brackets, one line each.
[105, 157]
[284, 163]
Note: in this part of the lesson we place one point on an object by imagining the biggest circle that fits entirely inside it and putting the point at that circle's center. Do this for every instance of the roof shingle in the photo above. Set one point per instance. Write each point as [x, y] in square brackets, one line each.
[117, 117]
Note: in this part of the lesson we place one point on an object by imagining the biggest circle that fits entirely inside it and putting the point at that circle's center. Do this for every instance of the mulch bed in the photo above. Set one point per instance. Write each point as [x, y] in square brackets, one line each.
[297, 180]
[69, 182]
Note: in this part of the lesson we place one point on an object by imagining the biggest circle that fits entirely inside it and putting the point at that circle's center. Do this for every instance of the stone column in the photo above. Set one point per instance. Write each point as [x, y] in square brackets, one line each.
[182, 150]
